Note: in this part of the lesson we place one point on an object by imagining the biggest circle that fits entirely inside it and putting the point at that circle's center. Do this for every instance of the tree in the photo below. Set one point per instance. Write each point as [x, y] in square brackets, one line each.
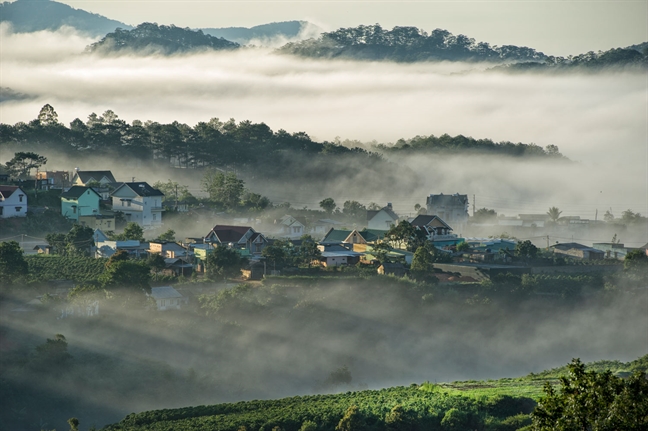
[155, 261]
[132, 231]
[79, 240]
[593, 401]
[463, 246]
[126, 274]
[608, 216]
[405, 235]
[47, 116]
[353, 209]
[224, 188]
[328, 205]
[351, 421]
[484, 215]
[277, 254]
[422, 267]
[398, 419]
[74, 424]
[554, 214]
[308, 251]
[169, 235]
[23, 162]
[12, 262]
[381, 250]
[53, 351]
[635, 264]
[526, 250]
[224, 262]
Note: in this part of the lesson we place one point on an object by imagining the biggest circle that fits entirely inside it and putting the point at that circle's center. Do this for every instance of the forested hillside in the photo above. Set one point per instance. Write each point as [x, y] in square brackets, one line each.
[411, 44]
[243, 146]
[407, 44]
[243, 35]
[152, 38]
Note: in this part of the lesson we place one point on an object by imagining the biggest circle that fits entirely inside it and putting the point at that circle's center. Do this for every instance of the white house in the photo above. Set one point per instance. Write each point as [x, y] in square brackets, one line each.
[382, 219]
[13, 202]
[140, 203]
[289, 227]
[167, 298]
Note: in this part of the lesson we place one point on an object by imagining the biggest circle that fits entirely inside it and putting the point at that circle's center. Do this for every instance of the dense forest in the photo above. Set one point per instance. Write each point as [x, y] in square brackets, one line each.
[242, 146]
[153, 38]
[410, 44]
[372, 42]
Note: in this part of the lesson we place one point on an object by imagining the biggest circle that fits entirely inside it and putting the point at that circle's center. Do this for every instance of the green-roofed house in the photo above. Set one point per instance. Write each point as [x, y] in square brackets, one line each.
[79, 201]
[365, 236]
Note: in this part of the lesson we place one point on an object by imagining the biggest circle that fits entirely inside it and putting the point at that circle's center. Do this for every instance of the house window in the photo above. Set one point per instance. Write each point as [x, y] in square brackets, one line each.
[128, 203]
[163, 302]
[154, 217]
[74, 210]
[108, 224]
[21, 197]
[1, 210]
[18, 209]
[296, 229]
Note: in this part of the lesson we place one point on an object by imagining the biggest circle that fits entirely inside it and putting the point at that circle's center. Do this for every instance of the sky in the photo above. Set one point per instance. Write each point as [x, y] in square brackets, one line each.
[558, 27]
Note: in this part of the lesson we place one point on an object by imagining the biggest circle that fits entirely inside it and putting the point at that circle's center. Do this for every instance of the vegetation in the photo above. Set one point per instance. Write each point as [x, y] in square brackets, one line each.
[405, 44]
[45, 268]
[152, 38]
[585, 399]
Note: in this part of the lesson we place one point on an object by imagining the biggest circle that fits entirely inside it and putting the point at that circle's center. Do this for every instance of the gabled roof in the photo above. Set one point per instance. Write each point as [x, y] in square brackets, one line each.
[86, 176]
[140, 188]
[371, 235]
[429, 220]
[75, 192]
[165, 292]
[572, 246]
[226, 233]
[372, 213]
[6, 191]
[336, 235]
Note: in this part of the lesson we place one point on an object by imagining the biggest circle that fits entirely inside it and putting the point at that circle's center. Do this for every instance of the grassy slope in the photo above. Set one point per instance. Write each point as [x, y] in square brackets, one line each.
[495, 402]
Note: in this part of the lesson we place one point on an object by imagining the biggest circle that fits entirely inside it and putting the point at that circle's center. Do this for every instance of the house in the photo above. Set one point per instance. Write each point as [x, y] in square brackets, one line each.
[383, 219]
[613, 250]
[43, 249]
[579, 251]
[451, 208]
[337, 255]
[79, 201]
[242, 238]
[104, 247]
[13, 202]
[167, 298]
[169, 249]
[320, 227]
[389, 268]
[82, 178]
[177, 267]
[47, 180]
[102, 181]
[140, 203]
[365, 236]
[436, 230]
[289, 227]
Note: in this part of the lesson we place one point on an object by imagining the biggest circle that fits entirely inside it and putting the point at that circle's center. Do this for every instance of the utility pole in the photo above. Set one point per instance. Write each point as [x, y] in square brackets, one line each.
[547, 242]
[473, 205]
[176, 197]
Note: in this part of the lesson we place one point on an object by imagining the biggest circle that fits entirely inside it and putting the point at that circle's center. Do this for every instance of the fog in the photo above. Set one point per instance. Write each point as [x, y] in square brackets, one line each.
[281, 341]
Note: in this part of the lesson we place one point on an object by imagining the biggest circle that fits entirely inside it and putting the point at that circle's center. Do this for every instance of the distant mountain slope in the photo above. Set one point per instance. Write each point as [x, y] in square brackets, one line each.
[590, 61]
[36, 15]
[275, 30]
[406, 44]
[153, 38]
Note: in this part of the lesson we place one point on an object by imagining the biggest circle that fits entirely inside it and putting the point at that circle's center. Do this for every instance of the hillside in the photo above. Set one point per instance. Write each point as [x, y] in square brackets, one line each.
[493, 405]
[152, 38]
[406, 44]
[36, 15]
[244, 35]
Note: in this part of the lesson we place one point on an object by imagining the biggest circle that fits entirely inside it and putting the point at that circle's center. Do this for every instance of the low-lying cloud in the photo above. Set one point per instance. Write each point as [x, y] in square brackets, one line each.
[598, 119]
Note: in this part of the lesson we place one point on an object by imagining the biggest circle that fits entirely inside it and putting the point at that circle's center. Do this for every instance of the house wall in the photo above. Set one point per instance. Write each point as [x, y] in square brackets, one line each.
[381, 221]
[86, 205]
[102, 223]
[145, 211]
[15, 205]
